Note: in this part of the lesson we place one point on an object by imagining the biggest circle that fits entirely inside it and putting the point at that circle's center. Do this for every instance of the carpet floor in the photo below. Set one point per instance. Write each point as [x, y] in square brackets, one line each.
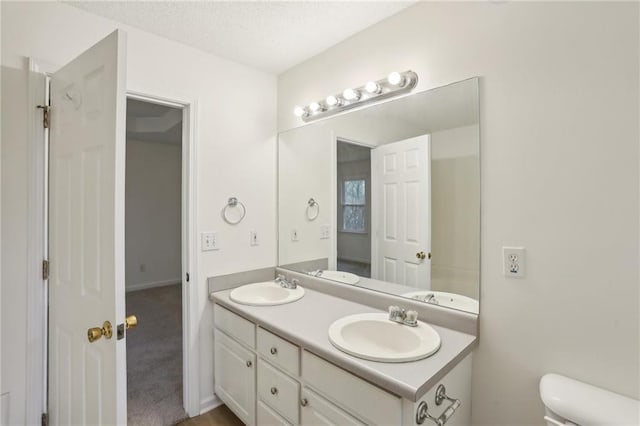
[154, 357]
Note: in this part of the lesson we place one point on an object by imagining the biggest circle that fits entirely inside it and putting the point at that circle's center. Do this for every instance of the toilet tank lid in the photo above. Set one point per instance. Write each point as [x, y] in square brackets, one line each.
[587, 405]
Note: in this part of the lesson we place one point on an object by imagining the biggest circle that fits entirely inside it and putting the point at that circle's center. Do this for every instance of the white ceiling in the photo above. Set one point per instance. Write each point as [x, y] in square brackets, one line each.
[272, 36]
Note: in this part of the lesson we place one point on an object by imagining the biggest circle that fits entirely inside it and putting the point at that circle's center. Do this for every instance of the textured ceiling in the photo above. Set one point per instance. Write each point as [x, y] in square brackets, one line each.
[272, 36]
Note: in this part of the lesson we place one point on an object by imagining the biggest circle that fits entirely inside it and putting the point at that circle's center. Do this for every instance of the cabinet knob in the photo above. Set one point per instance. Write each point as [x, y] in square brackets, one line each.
[274, 390]
[249, 363]
[274, 351]
[304, 402]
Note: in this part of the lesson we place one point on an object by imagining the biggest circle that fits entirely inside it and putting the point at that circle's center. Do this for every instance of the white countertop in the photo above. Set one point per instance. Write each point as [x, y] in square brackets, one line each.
[306, 323]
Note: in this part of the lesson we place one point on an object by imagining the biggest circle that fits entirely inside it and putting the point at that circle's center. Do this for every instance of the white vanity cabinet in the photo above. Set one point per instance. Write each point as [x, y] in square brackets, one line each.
[267, 380]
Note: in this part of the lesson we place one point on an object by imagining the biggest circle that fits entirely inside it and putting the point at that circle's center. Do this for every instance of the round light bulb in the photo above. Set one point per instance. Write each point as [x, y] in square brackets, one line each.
[372, 87]
[332, 101]
[351, 94]
[299, 111]
[396, 79]
[314, 107]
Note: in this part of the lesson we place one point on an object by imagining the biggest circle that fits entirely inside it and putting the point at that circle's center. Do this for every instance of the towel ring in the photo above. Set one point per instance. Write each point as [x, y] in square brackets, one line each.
[232, 203]
[310, 209]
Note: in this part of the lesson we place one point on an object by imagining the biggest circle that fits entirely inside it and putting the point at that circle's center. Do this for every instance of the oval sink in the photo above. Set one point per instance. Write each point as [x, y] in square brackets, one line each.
[340, 276]
[450, 300]
[266, 293]
[373, 337]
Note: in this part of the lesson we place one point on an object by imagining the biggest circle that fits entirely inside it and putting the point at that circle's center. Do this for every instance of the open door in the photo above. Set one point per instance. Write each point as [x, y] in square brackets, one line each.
[87, 380]
[401, 212]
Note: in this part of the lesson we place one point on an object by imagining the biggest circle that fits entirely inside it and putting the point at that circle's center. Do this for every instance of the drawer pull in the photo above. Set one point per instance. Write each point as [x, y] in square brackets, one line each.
[249, 363]
[304, 402]
[441, 394]
[274, 390]
[274, 351]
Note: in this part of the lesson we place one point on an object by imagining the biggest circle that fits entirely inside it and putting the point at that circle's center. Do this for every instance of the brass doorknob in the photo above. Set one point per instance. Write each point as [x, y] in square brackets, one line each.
[131, 321]
[95, 333]
[421, 255]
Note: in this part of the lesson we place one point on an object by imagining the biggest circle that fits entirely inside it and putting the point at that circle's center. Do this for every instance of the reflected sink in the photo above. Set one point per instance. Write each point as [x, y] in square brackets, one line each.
[340, 276]
[372, 336]
[450, 300]
[266, 293]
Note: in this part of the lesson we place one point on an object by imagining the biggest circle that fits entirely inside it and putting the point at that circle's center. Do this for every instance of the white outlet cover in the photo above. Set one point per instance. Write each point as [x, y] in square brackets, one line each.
[324, 232]
[513, 262]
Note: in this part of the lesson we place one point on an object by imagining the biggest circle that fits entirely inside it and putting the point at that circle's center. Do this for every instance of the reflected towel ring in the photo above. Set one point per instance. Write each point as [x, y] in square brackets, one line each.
[232, 203]
[310, 208]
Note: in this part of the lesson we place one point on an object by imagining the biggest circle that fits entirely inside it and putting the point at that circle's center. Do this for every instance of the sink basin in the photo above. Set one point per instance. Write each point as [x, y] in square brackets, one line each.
[340, 276]
[450, 300]
[372, 336]
[266, 293]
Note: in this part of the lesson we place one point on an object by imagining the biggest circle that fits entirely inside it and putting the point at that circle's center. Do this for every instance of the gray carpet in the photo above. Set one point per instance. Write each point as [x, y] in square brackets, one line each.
[154, 357]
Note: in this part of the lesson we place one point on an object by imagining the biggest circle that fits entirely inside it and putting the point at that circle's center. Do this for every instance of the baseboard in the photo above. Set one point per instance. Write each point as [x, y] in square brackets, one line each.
[144, 286]
[209, 403]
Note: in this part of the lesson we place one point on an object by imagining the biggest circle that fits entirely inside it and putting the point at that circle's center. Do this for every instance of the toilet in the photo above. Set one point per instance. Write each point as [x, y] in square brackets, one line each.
[569, 402]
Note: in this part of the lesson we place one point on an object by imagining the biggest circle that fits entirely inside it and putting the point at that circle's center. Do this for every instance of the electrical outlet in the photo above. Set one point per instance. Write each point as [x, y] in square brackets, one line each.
[253, 237]
[513, 262]
[210, 241]
[324, 232]
[294, 235]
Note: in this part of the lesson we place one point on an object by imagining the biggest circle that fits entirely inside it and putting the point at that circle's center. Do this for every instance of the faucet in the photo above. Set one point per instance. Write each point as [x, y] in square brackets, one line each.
[282, 280]
[399, 315]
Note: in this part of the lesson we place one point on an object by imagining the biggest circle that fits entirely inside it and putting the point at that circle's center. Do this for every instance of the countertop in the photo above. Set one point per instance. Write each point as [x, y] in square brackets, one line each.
[306, 323]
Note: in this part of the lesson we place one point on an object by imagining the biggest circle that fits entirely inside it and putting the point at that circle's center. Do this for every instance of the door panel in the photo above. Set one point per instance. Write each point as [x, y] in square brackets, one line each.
[87, 382]
[401, 215]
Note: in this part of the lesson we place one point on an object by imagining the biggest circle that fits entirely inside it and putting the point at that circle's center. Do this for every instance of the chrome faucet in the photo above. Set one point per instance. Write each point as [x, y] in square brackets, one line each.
[282, 280]
[399, 315]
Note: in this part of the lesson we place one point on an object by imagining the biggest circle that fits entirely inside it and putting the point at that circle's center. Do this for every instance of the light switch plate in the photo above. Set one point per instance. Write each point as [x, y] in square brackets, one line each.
[210, 241]
[294, 235]
[324, 232]
[253, 237]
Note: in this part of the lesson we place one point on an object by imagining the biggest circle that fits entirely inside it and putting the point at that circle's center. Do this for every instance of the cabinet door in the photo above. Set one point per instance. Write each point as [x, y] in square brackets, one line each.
[235, 377]
[318, 411]
[268, 417]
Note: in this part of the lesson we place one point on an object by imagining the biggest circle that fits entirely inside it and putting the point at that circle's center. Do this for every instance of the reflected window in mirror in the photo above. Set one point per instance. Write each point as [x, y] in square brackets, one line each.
[353, 205]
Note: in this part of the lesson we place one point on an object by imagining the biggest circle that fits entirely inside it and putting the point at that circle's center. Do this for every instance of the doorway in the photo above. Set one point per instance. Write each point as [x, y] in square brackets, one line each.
[153, 262]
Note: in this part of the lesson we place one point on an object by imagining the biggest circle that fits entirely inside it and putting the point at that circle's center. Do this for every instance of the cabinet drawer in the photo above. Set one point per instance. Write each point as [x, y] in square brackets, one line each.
[278, 390]
[268, 417]
[318, 411]
[366, 401]
[234, 325]
[278, 351]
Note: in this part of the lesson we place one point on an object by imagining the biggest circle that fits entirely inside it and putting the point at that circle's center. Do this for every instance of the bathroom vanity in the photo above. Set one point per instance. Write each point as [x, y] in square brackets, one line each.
[276, 365]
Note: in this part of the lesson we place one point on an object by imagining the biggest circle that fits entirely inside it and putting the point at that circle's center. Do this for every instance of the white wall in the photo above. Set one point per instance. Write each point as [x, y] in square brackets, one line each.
[559, 170]
[153, 214]
[236, 155]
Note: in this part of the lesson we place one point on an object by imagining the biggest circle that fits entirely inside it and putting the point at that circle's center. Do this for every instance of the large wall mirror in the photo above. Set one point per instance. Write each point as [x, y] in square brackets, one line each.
[388, 197]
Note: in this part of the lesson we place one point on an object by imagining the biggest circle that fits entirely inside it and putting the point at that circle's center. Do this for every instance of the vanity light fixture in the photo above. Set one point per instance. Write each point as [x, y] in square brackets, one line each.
[372, 87]
[332, 101]
[395, 84]
[300, 111]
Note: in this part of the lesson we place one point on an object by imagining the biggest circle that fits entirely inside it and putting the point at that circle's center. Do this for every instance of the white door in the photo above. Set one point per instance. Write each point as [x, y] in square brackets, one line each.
[87, 381]
[401, 213]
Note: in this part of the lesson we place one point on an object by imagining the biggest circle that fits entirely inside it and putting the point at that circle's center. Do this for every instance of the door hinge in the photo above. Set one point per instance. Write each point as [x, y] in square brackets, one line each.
[45, 269]
[187, 277]
[45, 419]
[45, 115]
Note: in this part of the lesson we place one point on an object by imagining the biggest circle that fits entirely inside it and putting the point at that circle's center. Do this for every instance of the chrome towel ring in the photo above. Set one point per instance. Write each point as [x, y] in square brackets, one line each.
[232, 203]
[313, 209]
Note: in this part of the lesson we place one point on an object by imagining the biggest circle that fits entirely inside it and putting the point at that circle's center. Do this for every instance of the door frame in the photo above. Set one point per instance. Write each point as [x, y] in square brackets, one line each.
[36, 391]
[190, 326]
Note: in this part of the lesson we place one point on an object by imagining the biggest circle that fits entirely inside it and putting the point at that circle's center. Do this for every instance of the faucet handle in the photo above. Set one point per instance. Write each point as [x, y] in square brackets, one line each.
[280, 278]
[411, 318]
